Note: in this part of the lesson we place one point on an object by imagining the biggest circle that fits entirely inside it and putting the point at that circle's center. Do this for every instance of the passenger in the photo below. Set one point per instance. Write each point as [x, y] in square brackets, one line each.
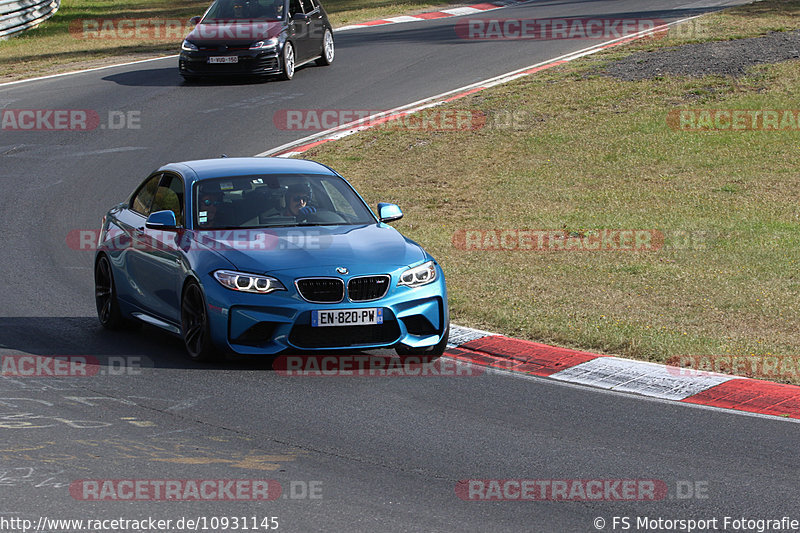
[207, 211]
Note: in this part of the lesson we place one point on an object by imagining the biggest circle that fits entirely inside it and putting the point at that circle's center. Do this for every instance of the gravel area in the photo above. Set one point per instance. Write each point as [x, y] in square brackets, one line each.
[725, 58]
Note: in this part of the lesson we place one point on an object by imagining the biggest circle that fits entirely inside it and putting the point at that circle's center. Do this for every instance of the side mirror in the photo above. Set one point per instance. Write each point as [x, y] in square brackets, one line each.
[389, 212]
[195, 20]
[300, 17]
[164, 220]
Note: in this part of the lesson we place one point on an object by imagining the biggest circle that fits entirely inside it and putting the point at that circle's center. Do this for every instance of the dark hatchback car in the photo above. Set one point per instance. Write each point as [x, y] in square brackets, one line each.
[257, 37]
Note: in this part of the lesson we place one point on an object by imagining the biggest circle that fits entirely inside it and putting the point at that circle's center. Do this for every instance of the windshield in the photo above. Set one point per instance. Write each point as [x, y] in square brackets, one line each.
[277, 200]
[244, 10]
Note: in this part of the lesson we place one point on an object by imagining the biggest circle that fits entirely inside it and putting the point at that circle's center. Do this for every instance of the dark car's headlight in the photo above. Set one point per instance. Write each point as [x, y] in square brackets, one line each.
[266, 44]
[244, 282]
[419, 275]
[189, 47]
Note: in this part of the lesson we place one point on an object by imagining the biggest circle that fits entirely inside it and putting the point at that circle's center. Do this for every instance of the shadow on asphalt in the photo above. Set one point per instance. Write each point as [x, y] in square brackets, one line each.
[169, 77]
[83, 336]
[145, 346]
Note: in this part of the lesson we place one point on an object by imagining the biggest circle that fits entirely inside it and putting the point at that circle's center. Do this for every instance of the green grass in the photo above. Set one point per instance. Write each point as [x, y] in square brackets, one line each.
[591, 152]
[52, 47]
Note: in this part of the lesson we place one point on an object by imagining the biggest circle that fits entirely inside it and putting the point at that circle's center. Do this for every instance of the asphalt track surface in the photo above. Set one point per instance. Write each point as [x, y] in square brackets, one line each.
[379, 454]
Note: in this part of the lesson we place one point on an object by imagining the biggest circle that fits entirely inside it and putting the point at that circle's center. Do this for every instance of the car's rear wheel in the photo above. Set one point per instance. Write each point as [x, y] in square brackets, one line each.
[430, 351]
[105, 295]
[195, 326]
[328, 51]
[288, 61]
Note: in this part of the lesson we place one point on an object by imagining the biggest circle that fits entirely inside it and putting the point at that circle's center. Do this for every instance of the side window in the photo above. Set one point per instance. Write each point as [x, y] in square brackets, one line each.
[295, 6]
[169, 196]
[144, 196]
[311, 5]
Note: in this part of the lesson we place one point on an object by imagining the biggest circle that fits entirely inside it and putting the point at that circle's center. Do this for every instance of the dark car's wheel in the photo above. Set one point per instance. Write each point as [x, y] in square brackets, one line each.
[288, 61]
[195, 327]
[328, 51]
[105, 295]
[431, 351]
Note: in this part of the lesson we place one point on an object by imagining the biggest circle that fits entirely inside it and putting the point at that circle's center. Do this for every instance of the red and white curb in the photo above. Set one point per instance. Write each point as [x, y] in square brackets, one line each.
[452, 12]
[299, 146]
[624, 375]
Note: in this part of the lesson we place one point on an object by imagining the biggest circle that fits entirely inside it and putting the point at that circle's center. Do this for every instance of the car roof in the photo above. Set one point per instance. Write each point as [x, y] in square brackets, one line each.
[222, 167]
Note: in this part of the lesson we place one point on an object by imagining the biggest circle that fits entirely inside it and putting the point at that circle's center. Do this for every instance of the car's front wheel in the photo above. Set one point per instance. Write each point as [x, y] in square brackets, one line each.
[105, 295]
[431, 351]
[195, 327]
[328, 51]
[288, 61]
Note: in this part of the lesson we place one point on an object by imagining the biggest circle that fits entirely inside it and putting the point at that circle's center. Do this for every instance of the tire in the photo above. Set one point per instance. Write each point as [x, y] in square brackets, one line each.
[288, 61]
[105, 295]
[195, 327]
[431, 351]
[328, 50]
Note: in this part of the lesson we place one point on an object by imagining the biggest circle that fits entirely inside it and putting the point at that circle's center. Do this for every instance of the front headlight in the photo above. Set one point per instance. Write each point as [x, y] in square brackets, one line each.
[244, 282]
[265, 44]
[418, 276]
[189, 47]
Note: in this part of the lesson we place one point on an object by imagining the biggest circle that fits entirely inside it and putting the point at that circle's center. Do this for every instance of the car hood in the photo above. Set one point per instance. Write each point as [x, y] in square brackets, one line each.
[360, 249]
[233, 32]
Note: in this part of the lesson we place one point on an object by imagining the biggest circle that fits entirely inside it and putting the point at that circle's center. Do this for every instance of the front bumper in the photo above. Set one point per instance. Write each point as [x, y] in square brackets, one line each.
[251, 324]
[249, 62]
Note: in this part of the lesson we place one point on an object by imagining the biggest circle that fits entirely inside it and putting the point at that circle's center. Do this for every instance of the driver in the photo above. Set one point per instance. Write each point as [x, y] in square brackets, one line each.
[297, 199]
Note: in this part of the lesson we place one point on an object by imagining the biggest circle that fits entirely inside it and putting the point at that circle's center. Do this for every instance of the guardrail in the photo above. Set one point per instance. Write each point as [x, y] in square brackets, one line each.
[20, 15]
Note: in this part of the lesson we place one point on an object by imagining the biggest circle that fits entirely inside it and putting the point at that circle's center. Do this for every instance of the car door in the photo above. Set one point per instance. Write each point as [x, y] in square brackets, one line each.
[161, 270]
[317, 27]
[299, 30]
[128, 245]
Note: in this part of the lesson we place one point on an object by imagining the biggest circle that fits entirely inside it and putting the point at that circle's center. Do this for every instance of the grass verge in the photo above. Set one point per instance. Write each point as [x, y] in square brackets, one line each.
[585, 152]
[59, 45]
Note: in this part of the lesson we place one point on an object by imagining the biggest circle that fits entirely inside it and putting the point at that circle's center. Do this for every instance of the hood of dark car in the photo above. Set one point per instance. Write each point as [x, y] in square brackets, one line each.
[233, 33]
[363, 248]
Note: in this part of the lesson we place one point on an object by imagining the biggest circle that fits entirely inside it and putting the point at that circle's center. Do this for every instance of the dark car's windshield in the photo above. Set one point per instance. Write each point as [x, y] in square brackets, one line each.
[244, 10]
[277, 200]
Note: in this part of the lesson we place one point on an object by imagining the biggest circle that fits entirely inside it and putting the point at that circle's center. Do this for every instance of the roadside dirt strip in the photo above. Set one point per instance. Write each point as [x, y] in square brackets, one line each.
[624, 375]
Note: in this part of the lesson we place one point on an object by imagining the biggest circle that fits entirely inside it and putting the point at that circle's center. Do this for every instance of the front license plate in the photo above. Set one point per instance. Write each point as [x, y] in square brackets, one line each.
[224, 59]
[347, 317]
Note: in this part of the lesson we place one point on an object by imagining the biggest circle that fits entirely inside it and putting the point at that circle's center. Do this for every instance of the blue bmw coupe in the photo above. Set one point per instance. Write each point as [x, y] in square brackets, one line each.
[264, 255]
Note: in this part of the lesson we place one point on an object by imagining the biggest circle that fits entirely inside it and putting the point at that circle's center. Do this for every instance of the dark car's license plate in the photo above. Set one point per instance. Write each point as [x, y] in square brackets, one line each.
[223, 59]
[347, 317]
